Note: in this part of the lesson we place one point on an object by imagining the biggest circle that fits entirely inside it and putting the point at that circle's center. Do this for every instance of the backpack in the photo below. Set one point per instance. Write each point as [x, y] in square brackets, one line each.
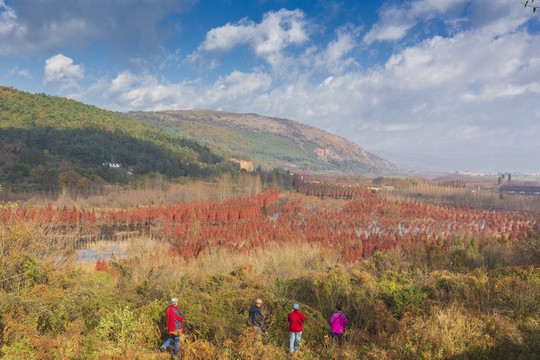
[249, 321]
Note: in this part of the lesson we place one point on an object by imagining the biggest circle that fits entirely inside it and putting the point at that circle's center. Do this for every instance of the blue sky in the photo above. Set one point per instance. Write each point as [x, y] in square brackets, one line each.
[433, 84]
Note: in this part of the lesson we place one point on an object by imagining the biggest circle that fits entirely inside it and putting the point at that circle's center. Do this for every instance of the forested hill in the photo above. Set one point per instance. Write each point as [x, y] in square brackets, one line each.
[270, 142]
[48, 141]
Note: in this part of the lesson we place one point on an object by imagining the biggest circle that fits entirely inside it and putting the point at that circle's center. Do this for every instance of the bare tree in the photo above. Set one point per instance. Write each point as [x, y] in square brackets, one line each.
[529, 3]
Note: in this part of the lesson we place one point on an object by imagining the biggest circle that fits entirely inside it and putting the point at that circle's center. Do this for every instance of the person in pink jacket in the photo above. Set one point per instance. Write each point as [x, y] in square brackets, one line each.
[338, 321]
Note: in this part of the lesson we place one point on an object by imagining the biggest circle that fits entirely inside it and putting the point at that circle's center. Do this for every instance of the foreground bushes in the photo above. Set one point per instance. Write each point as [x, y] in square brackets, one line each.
[396, 310]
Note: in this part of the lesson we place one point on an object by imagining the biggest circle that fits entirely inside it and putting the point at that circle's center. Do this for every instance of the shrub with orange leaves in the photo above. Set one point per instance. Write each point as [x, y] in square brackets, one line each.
[101, 265]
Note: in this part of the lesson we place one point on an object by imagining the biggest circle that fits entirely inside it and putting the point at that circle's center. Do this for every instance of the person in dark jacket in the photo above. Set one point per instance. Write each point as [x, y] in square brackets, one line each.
[256, 318]
[296, 326]
[174, 324]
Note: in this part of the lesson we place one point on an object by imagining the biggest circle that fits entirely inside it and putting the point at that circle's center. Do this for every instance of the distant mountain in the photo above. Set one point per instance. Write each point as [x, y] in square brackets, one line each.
[48, 142]
[269, 142]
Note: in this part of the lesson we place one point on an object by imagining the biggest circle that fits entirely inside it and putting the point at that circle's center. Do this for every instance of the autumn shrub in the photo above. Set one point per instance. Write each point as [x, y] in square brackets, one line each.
[199, 349]
[495, 255]
[15, 239]
[462, 257]
[516, 289]
[12, 328]
[445, 333]
[28, 252]
[407, 298]
[101, 265]
[127, 328]
[527, 250]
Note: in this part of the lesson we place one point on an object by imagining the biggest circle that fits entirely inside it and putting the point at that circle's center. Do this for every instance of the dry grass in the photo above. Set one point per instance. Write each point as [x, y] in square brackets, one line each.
[151, 192]
[284, 261]
[446, 333]
[120, 197]
[152, 257]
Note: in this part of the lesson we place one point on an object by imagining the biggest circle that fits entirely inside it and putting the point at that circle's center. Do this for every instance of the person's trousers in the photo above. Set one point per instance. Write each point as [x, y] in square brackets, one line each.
[294, 341]
[258, 332]
[172, 339]
[339, 336]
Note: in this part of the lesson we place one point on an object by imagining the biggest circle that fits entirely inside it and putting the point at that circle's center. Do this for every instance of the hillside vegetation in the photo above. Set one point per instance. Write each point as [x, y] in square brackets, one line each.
[269, 142]
[48, 142]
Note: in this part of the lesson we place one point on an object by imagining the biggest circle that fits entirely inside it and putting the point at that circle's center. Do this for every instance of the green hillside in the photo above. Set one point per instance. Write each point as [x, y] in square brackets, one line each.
[268, 142]
[48, 141]
[266, 149]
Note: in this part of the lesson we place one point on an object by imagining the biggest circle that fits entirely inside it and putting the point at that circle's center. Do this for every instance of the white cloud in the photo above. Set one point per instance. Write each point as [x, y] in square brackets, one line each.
[224, 38]
[126, 26]
[122, 82]
[268, 39]
[145, 92]
[278, 30]
[334, 58]
[59, 69]
[20, 72]
[25, 73]
[8, 18]
[400, 127]
[500, 17]
[237, 88]
[386, 32]
[396, 20]
[424, 7]
[19, 35]
[11, 31]
[502, 91]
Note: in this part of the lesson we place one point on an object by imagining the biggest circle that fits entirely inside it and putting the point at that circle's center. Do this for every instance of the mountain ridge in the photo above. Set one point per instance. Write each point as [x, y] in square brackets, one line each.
[319, 148]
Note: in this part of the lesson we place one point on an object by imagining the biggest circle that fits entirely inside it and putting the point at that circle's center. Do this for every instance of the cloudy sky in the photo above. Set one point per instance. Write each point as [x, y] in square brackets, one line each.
[434, 84]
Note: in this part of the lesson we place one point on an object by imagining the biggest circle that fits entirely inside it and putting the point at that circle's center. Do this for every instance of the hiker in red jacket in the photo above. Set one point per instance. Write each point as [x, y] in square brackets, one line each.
[296, 322]
[174, 323]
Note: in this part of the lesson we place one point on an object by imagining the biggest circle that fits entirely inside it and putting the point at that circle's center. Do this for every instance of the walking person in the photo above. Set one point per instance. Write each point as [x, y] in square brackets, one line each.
[174, 324]
[296, 327]
[338, 321]
[256, 319]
